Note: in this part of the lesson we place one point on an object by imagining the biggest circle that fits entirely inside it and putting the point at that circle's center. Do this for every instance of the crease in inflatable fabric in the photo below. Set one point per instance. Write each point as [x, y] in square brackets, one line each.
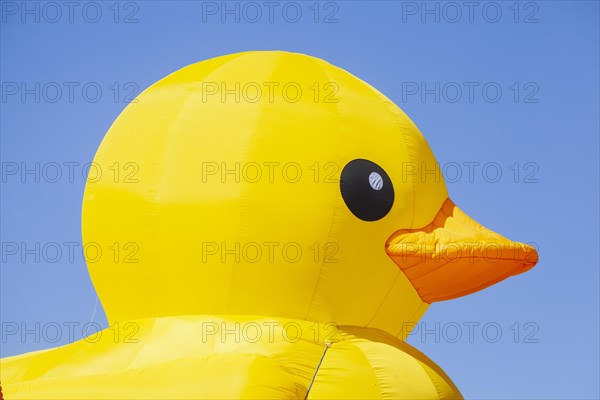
[327, 346]
[166, 139]
[409, 151]
[374, 373]
[243, 192]
[335, 209]
[387, 294]
[433, 380]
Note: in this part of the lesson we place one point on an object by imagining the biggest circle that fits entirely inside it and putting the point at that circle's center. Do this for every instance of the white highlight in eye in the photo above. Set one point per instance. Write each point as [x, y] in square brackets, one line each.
[375, 181]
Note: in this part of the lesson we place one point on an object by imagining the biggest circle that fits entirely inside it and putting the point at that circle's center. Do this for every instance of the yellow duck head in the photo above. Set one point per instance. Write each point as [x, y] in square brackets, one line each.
[275, 184]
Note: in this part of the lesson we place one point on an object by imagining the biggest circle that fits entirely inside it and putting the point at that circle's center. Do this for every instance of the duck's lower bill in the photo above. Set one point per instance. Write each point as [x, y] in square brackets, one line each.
[455, 256]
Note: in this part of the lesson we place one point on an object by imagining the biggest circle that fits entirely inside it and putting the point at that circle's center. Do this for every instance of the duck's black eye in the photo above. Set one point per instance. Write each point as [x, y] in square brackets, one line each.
[366, 189]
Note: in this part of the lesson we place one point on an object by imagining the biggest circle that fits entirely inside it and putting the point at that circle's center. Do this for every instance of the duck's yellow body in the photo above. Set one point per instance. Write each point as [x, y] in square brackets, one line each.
[191, 357]
[268, 186]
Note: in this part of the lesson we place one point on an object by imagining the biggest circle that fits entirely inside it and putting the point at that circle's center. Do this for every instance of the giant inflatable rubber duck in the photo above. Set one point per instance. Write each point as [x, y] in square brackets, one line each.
[287, 224]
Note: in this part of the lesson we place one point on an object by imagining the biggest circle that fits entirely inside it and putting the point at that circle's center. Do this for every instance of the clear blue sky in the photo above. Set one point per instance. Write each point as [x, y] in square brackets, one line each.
[543, 56]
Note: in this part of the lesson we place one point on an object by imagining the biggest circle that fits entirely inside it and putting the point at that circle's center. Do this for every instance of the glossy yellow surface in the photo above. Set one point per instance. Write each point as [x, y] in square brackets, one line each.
[236, 357]
[228, 204]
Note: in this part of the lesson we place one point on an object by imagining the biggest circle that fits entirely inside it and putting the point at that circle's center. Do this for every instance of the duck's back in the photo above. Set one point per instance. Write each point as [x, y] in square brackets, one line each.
[227, 357]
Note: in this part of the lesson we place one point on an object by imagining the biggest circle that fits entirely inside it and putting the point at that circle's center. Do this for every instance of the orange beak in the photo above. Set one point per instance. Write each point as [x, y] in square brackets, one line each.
[455, 256]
